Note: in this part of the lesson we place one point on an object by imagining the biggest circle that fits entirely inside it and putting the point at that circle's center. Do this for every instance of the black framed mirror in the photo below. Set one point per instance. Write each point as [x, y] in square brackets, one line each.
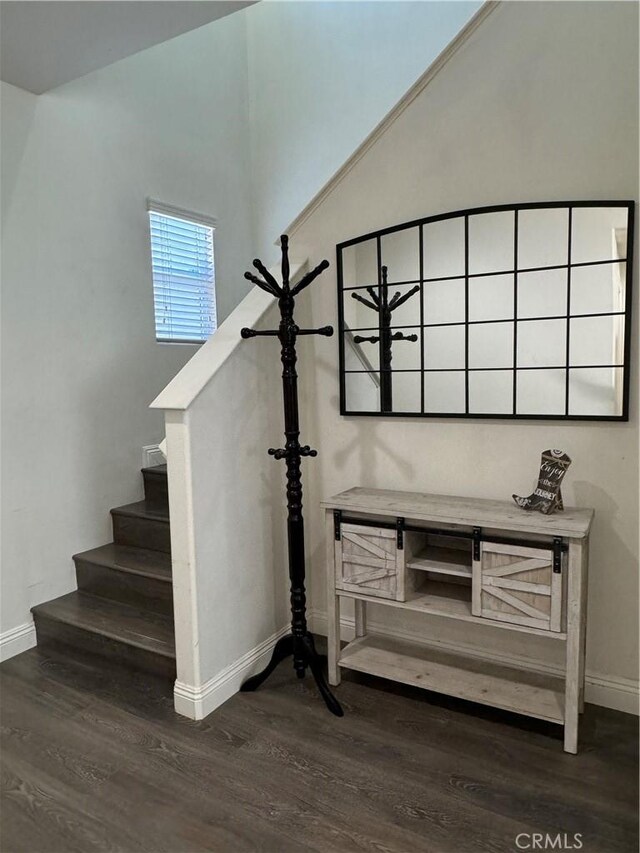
[512, 311]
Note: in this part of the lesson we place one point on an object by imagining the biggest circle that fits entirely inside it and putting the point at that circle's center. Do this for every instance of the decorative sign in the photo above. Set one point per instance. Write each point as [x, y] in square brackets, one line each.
[546, 497]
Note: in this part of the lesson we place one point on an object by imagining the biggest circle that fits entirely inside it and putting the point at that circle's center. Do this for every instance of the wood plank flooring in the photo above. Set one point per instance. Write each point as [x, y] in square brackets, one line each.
[95, 759]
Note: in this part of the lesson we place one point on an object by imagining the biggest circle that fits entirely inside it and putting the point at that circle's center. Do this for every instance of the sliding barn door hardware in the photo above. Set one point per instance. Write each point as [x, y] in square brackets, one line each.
[400, 533]
[476, 538]
[558, 548]
[337, 521]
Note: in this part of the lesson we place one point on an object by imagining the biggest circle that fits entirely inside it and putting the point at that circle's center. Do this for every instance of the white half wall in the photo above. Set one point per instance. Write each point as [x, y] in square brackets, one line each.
[540, 103]
[321, 77]
[228, 510]
[80, 364]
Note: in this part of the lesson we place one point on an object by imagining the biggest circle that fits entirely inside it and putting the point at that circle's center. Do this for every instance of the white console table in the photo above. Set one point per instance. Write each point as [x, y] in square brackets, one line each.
[480, 561]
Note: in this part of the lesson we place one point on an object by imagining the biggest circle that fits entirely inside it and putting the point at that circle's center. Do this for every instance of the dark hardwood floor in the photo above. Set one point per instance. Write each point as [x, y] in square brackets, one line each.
[94, 759]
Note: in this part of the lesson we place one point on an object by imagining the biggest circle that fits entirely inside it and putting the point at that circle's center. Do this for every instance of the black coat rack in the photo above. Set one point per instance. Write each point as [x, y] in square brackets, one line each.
[299, 643]
[385, 337]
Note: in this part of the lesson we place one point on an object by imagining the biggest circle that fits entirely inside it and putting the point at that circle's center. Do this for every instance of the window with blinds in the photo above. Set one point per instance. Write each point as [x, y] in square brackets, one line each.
[183, 277]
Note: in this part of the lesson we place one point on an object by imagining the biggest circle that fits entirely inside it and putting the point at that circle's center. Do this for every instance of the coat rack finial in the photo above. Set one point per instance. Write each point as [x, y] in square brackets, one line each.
[284, 246]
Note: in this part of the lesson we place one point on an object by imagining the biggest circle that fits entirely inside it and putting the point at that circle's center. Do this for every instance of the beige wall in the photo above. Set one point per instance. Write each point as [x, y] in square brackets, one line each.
[321, 76]
[540, 104]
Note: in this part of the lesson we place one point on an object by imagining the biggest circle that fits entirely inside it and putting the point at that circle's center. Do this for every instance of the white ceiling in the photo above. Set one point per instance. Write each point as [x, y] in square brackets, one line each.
[45, 44]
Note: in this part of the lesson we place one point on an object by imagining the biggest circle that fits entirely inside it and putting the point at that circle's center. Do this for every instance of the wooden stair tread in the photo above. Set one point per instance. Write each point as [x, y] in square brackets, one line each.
[129, 625]
[122, 610]
[140, 509]
[159, 470]
[125, 558]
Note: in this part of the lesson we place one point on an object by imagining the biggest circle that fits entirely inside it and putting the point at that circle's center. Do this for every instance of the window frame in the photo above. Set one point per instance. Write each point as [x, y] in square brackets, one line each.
[194, 218]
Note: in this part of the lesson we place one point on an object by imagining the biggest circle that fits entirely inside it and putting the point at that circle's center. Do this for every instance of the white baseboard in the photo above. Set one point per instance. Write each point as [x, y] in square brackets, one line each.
[620, 694]
[17, 640]
[197, 702]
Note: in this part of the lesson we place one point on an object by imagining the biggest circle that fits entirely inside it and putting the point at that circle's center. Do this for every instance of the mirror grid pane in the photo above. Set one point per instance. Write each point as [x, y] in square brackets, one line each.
[515, 311]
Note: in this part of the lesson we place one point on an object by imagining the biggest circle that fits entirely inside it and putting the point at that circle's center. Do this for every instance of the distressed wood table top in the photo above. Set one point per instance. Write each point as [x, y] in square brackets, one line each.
[572, 523]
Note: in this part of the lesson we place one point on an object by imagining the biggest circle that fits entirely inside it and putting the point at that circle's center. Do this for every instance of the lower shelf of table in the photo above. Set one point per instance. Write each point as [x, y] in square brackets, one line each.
[450, 601]
[468, 678]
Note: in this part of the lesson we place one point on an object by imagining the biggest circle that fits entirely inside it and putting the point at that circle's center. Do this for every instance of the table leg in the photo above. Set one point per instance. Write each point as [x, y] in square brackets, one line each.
[333, 606]
[361, 617]
[575, 645]
[583, 627]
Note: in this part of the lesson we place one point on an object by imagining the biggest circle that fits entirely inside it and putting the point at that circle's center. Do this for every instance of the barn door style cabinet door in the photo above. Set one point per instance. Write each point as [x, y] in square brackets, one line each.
[475, 561]
[368, 561]
[517, 585]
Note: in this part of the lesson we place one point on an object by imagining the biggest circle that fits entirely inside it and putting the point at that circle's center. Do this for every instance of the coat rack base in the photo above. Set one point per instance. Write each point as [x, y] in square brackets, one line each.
[303, 651]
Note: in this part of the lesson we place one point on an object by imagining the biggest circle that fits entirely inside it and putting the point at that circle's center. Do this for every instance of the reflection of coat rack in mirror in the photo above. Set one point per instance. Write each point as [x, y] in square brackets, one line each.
[619, 241]
[385, 307]
[361, 356]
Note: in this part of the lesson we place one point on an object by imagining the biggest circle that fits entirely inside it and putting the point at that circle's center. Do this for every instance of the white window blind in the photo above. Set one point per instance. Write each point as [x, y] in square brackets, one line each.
[183, 277]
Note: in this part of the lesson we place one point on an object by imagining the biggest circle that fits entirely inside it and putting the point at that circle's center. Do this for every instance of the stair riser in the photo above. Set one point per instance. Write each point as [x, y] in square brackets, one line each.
[156, 491]
[136, 590]
[141, 532]
[56, 635]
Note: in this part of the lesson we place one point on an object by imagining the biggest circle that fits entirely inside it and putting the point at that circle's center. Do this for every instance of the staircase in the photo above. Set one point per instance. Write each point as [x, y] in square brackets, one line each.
[123, 608]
